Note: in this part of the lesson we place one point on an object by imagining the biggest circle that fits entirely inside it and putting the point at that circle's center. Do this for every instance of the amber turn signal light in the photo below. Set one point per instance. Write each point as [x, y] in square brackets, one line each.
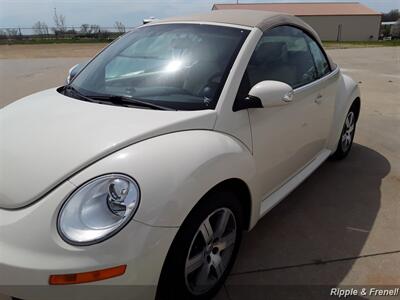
[87, 276]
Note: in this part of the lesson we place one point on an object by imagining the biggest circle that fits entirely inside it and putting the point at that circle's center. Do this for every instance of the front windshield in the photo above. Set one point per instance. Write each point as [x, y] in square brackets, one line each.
[180, 66]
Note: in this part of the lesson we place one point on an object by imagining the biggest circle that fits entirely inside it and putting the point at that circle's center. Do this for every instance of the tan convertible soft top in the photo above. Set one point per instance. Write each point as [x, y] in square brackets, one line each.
[251, 18]
[263, 20]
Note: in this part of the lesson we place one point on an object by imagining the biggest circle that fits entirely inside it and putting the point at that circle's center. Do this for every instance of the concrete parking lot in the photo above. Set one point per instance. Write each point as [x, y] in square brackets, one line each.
[341, 227]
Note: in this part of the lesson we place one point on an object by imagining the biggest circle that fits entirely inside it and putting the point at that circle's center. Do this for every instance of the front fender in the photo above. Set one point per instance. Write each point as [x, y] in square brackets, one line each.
[175, 170]
[347, 92]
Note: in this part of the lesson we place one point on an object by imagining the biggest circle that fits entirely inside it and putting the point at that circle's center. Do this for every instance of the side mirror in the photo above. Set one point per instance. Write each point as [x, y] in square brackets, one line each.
[74, 71]
[272, 93]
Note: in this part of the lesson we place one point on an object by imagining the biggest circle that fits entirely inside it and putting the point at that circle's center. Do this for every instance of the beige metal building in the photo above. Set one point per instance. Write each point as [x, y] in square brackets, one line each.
[334, 21]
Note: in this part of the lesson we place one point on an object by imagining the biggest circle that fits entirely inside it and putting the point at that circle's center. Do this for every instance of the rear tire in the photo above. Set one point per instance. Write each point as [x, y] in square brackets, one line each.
[204, 249]
[347, 135]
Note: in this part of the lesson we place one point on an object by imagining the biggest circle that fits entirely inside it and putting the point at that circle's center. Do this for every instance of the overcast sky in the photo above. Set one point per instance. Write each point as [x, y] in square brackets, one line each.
[24, 13]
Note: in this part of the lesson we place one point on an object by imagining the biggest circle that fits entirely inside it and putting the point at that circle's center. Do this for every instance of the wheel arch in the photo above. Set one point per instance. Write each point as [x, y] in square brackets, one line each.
[232, 184]
[357, 105]
[239, 187]
[348, 94]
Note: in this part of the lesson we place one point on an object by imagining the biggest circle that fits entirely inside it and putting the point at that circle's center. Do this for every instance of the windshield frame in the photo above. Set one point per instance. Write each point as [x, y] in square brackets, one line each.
[178, 105]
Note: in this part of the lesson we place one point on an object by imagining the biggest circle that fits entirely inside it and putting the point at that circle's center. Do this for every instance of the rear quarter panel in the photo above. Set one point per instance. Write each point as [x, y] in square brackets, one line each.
[347, 91]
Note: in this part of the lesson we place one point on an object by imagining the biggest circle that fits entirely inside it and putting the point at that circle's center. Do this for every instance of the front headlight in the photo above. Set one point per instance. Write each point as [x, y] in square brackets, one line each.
[98, 209]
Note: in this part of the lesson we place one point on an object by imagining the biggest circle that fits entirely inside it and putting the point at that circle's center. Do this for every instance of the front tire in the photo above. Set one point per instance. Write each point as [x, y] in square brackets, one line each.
[347, 135]
[203, 252]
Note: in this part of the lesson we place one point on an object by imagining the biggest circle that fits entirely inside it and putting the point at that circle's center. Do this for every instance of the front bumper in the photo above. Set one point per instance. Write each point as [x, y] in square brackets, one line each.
[31, 250]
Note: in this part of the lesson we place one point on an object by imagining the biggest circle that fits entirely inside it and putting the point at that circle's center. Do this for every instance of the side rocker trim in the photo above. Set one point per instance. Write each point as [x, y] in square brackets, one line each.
[278, 195]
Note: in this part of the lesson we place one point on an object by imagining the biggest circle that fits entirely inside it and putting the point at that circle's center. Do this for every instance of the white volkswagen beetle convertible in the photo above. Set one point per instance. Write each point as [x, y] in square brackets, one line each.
[146, 167]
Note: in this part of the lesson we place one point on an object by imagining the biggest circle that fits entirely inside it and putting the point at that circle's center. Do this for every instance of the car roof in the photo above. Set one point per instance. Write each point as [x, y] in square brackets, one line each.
[250, 18]
[262, 20]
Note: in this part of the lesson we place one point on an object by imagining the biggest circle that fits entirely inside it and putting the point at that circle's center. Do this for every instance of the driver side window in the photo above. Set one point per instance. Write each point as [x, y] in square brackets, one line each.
[282, 54]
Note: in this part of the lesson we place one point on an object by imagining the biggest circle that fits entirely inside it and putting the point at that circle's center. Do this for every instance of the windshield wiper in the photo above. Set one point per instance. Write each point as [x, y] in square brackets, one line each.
[70, 88]
[115, 99]
[127, 101]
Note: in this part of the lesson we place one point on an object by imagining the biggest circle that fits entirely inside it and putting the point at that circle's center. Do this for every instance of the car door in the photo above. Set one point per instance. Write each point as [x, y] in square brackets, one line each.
[327, 84]
[287, 137]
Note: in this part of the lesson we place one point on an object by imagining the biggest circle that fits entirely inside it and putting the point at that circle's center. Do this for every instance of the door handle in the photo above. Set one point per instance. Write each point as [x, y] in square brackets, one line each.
[318, 99]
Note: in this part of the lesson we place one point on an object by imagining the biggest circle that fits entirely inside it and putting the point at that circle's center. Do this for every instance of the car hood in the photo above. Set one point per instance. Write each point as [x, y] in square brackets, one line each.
[47, 137]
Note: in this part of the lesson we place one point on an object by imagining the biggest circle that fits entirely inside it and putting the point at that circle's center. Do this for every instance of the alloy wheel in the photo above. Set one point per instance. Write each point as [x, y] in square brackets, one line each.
[210, 251]
[348, 131]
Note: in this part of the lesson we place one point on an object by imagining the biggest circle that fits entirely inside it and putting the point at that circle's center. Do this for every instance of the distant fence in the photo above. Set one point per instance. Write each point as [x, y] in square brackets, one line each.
[9, 35]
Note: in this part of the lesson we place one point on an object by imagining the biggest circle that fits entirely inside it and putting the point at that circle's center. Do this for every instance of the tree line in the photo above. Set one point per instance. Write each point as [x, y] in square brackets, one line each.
[41, 28]
[391, 16]
[60, 28]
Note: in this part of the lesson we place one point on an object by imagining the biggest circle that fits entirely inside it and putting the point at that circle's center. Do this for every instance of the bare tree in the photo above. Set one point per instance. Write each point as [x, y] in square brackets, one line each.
[94, 28]
[40, 28]
[12, 32]
[85, 28]
[120, 27]
[59, 22]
